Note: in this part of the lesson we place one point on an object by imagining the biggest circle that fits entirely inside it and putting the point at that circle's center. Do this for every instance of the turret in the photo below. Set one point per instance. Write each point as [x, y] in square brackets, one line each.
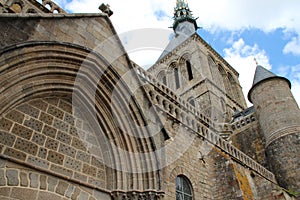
[279, 118]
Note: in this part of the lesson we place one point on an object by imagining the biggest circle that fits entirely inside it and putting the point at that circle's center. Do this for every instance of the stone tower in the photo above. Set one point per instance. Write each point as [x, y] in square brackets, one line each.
[196, 72]
[279, 118]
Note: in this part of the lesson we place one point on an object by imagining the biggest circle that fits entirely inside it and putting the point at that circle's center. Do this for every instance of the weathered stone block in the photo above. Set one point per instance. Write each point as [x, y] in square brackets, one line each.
[61, 170]
[52, 182]
[15, 116]
[42, 152]
[23, 193]
[75, 194]
[39, 104]
[34, 180]
[83, 196]
[2, 178]
[62, 187]
[24, 179]
[80, 177]
[5, 191]
[63, 137]
[26, 146]
[52, 101]
[38, 139]
[98, 183]
[73, 164]
[43, 182]
[55, 112]
[38, 162]
[70, 191]
[15, 154]
[7, 139]
[55, 157]
[50, 196]
[29, 110]
[85, 157]
[51, 144]
[69, 119]
[89, 170]
[65, 106]
[78, 144]
[73, 131]
[12, 176]
[2, 163]
[5, 124]
[34, 124]
[46, 118]
[63, 126]
[67, 150]
[49, 131]
[79, 123]
[22, 131]
[97, 162]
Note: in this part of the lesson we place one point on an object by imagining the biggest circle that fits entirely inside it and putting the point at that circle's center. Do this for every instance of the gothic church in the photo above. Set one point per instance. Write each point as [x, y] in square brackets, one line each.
[79, 120]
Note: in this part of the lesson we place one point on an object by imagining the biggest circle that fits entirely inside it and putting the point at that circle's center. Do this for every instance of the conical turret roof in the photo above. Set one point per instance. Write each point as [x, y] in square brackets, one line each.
[261, 75]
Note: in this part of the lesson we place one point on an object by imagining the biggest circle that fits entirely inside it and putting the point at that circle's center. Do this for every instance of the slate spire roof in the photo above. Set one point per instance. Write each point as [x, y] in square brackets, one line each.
[261, 75]
[184, 26]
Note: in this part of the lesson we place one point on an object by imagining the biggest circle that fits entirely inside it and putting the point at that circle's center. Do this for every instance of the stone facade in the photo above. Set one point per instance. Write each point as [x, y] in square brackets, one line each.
[79, 120]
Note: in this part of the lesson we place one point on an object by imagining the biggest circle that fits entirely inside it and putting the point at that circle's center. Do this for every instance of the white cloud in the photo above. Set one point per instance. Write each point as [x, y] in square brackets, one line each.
[293, 46]
[230, 15]
[241, 57]
[293, 72]
[296, 90]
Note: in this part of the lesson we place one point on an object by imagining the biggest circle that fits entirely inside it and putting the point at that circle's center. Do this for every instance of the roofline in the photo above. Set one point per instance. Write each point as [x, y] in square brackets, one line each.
[71, 15]
[206, 45]
[56, 15]
[265, 80]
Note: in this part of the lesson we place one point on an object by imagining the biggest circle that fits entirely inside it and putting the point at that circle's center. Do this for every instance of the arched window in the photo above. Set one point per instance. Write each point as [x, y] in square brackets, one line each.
[233, 84]
[189, 69]
[183, 188]
[162, 77]
[176, 74]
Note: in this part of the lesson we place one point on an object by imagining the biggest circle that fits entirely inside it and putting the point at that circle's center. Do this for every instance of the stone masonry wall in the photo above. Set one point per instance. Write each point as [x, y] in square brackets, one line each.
[279, 118]
[44, 134]
[283, 165]
[20, 182]
[251, 141]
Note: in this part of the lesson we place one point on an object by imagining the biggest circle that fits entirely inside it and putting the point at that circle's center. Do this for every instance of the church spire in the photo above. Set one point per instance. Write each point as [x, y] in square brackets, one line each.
[183, 14]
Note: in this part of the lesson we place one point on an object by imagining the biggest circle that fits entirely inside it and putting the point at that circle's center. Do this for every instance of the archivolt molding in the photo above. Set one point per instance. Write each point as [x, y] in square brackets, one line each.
[50, 69]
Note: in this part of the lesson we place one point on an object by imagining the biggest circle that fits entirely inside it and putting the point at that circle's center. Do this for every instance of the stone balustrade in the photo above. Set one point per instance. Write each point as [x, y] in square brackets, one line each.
[167, 101]
[245, 121]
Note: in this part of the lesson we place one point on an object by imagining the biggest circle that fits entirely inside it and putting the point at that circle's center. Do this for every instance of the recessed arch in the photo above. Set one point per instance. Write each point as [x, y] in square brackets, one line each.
[162, 77]
[175, 74]
[48, 69]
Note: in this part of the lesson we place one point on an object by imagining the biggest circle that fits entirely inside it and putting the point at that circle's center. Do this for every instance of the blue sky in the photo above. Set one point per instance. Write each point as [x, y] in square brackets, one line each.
[239, 30]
